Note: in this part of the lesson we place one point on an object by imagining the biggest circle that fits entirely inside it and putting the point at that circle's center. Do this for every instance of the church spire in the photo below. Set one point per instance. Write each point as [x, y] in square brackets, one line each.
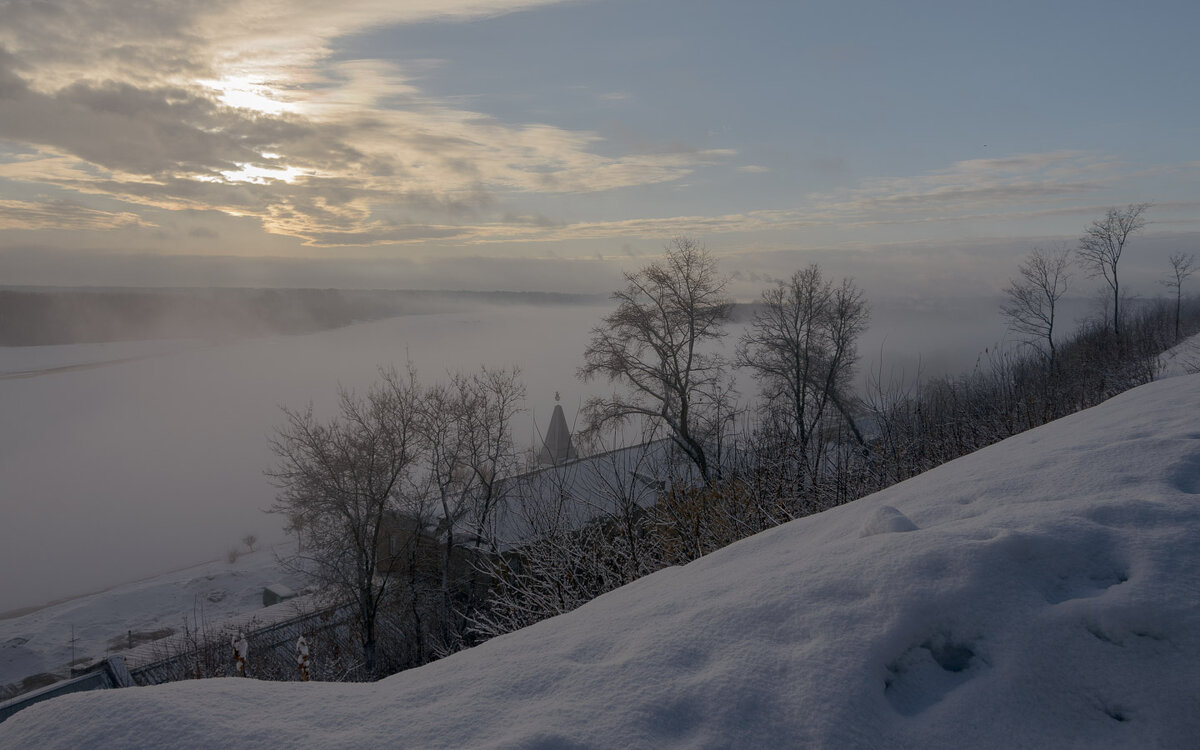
[557, 447]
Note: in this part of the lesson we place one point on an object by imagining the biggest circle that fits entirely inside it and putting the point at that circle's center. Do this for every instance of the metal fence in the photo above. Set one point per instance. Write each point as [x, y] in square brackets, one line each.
[110, 673]
[175, 663]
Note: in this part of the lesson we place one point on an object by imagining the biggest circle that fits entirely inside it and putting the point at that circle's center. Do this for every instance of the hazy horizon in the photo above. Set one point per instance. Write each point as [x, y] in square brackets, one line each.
[137, 457]
[547, 144]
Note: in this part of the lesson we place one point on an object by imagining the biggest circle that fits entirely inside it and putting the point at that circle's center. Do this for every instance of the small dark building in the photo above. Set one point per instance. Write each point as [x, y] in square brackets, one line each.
[274, 593]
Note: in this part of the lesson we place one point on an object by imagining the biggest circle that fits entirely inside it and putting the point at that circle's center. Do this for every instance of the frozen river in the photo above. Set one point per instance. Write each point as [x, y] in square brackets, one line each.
[123, 460]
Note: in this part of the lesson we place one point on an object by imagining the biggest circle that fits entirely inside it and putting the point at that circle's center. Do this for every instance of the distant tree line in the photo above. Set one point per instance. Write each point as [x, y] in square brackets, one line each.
[39, 317]
[36, 318]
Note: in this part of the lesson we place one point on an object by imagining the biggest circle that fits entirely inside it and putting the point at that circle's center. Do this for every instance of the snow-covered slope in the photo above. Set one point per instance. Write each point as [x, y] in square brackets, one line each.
[1181, 359]
[1044, 592]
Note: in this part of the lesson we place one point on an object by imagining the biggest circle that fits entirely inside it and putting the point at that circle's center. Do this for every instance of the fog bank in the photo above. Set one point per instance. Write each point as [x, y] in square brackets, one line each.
[129, 459]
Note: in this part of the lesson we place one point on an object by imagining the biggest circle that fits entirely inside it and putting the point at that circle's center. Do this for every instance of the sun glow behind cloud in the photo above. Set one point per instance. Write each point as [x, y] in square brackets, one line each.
[245, 92]
[273, 124]
[316, 120]
[264, 175]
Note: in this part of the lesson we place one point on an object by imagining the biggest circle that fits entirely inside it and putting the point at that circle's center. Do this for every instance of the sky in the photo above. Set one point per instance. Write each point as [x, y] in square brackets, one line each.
[534, 144]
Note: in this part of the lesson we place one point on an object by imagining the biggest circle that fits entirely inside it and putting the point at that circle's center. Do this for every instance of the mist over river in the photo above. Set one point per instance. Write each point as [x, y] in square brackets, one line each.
[126, 459]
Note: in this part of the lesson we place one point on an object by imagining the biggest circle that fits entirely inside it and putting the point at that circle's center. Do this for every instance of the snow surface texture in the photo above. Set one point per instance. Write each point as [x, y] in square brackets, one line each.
[1043, 592]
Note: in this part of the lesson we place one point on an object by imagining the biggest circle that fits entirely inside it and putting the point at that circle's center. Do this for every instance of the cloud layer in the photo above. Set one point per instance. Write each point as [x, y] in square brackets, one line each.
[238, 107]
[118, 117]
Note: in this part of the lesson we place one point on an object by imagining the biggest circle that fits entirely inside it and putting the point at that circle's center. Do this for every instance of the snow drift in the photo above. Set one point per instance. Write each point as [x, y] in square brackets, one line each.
[1043, 592]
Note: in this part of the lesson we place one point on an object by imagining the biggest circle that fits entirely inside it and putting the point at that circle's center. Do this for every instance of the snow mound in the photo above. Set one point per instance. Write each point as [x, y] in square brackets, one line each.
[886, 520]
[1048, 595]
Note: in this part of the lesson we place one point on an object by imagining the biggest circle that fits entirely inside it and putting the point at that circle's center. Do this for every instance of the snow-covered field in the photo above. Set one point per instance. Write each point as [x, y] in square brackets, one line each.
[104, 623]
[1043, 592]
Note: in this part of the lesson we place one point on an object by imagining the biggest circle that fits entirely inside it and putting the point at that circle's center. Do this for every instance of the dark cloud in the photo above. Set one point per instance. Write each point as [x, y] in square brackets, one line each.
[152, 132]
[12, 85]
[144, 35]
[142, 94]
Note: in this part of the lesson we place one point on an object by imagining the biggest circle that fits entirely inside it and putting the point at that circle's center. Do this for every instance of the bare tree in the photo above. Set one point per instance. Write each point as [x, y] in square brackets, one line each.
[469, 450]
[491, 397]
[1101, 246]
[495, 397]
[654, 345]
[1182, 266]
[1031, 303]
[445, 432]
[801, 348]
[337, 482]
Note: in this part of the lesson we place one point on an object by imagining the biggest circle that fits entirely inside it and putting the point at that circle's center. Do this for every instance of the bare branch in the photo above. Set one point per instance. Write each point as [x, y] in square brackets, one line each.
[801, 348]
[1182, 266]
[1032, 300]
[654, 345]
[1101, 246]
[337, 481]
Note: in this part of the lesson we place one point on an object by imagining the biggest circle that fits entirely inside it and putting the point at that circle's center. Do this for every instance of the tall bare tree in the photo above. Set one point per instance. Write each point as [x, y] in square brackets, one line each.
[655, 345]
[495, 396]
[466, 424]
[1101, 246]
[491, 398]
[801, 348]
[1182, 266]
[337, 482]
[1031, 304]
